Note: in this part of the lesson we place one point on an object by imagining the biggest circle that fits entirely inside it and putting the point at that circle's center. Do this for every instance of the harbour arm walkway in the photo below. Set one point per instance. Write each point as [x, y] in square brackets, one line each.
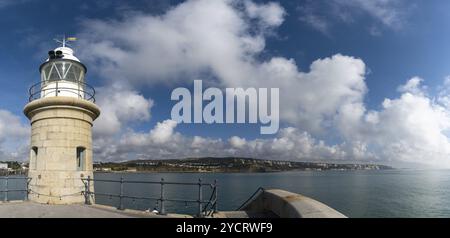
[21, 209]
[265, 203]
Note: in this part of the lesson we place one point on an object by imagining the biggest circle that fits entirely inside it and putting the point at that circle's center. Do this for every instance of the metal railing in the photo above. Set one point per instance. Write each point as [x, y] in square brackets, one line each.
[251, 198]
[43, 89]
[7, 190]
[205, 207]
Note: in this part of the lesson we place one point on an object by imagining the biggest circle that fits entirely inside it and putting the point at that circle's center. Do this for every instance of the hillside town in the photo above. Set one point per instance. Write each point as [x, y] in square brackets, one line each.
[227, 165]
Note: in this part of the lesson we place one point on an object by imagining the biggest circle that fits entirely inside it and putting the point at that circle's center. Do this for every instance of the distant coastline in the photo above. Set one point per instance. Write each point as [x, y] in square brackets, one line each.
[226, 165]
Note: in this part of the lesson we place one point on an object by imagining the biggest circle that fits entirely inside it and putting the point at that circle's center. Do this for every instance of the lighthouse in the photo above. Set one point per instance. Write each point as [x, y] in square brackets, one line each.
[61, 110]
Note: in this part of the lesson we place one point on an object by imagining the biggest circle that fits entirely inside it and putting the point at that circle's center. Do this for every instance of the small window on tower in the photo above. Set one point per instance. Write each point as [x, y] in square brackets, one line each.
[34, 153]
[81, 158]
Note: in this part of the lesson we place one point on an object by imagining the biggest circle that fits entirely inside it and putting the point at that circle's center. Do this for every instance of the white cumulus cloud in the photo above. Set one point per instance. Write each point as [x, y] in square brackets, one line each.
[14, 136]
[119, 106]
[411, 128]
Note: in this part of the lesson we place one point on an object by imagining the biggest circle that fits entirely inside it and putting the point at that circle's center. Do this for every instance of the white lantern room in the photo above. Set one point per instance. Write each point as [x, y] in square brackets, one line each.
[62, 74]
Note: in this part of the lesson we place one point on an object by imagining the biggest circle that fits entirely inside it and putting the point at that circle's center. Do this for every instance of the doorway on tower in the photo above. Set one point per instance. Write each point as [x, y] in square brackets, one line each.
[81, 158]
[34, 154]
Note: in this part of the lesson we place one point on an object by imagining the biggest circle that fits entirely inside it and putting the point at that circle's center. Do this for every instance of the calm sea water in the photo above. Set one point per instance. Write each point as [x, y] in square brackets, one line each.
[390, 193]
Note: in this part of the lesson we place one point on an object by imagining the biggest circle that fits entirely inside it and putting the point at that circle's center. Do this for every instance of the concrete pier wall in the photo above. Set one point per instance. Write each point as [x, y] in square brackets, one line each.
[285, 204]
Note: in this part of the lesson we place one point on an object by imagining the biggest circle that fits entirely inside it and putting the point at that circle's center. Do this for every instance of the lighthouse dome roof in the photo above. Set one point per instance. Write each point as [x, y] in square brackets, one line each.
[67, 53]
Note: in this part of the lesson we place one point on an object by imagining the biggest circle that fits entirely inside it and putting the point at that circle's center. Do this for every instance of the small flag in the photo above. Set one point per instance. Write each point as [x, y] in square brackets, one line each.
[71, 38]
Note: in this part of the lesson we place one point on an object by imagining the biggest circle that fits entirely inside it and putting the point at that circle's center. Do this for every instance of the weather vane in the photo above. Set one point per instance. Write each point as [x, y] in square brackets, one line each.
[64, 40]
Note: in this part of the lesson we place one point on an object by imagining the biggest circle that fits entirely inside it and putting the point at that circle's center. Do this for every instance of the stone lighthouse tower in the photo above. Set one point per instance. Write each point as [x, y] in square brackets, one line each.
[62, 110]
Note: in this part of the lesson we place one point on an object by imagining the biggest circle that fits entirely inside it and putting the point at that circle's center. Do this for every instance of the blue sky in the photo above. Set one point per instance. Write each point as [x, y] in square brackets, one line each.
[420, 47]
[396, 40]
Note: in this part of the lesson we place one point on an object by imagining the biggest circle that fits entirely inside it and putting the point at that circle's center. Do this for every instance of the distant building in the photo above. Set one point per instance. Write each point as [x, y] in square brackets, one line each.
[3, 166]
[103, 169]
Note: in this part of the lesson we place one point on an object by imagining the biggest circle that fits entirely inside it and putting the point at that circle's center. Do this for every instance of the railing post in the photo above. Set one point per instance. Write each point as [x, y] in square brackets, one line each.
[215, 196]
[200, 195]
[121, 194]
[162, 209]
[6, 189]
[87, 191]
[28, 188]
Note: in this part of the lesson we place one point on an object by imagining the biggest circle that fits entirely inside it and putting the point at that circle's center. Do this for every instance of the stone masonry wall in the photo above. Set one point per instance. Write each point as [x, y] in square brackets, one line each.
[56, 132]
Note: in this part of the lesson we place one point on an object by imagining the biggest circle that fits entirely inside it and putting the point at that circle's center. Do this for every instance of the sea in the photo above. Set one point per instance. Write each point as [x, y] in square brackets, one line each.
[358, 194]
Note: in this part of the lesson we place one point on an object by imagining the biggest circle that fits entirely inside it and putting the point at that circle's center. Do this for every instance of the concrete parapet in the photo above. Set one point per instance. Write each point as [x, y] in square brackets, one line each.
[285, 204]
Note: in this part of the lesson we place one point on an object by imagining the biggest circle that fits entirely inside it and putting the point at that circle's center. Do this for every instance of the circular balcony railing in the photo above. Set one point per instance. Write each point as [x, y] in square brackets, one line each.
[62, 88]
